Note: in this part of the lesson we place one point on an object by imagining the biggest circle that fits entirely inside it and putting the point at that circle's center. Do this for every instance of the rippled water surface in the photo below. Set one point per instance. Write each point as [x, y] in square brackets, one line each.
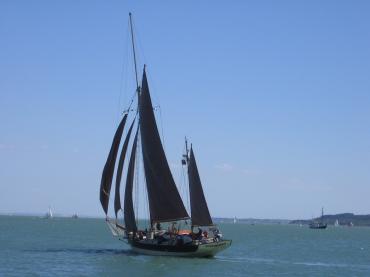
[84, 247]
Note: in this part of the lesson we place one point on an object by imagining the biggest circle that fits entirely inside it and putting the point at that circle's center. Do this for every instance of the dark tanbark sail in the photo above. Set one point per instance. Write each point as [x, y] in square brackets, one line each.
[199, 210]
[107, 176]
[117, 197]
[165, 203]
[128, 210]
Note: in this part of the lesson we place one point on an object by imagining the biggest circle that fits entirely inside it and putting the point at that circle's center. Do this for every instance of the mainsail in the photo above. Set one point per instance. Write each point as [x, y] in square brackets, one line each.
[107, 176]
[117, 197]
[129, 213]
[165, 203]
[199, 210]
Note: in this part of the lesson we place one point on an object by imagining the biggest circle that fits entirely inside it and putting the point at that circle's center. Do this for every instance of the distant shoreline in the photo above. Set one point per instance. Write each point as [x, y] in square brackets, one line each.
[55, 215]
[215, 219]
[344, 219]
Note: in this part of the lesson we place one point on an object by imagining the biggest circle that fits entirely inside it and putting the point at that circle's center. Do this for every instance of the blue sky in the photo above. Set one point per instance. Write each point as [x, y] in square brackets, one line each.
[274, 96]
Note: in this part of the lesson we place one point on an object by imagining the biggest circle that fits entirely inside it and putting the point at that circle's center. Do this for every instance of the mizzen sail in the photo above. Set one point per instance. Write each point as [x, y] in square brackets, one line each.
[199, 210]
[117, 197]
[165, 203]
[107, 176]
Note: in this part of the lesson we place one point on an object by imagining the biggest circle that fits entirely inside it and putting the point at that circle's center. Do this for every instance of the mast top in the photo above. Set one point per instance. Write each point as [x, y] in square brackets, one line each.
[134, 52]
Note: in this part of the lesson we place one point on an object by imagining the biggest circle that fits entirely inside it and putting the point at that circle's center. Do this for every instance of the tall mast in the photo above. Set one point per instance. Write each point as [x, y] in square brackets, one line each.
[322, 213]
[133, 50]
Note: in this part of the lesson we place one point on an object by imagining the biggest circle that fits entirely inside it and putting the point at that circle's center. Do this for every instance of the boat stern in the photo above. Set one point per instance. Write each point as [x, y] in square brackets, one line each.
[211, 249]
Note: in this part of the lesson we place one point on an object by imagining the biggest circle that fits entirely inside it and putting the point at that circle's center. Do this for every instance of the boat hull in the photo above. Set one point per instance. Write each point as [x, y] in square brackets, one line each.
[318, 226]
[187, 250]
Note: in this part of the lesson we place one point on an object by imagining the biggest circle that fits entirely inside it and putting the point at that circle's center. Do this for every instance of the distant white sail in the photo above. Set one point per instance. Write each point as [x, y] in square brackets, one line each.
[49, 214]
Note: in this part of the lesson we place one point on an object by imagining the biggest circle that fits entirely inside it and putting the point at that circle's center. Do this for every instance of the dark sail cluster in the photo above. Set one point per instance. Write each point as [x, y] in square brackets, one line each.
[165, 203]
[107, 176]
[117, 197]
[108, 172]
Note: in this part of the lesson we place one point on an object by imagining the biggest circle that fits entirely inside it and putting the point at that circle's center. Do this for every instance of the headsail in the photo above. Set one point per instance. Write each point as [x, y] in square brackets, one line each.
[117, 197]
[165, 203]
[129, 213]
[199, 210]
[107, 176]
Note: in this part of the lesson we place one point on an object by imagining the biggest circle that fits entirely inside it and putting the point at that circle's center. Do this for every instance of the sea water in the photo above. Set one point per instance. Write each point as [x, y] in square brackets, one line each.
[33, 246]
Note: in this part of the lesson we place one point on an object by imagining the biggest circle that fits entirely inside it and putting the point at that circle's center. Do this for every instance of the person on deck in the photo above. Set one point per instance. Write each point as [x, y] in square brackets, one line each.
[158, 226]
[199, 234]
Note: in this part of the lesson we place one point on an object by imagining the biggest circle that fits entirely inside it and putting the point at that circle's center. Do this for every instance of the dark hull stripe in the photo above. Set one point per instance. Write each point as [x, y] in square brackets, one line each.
[165, 248]
[318, 227]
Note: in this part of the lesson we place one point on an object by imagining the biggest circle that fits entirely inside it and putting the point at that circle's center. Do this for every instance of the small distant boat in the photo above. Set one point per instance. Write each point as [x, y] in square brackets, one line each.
[75, 216]
[319, 224]
[336, 223]
[235, 220]
[350, 224]
[49, 214]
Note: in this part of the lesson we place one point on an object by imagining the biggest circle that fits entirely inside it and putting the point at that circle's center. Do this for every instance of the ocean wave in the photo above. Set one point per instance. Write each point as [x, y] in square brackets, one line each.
[277, 261]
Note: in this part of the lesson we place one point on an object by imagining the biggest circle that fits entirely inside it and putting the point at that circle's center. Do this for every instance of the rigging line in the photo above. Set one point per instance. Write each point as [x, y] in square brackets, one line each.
[139, 46]
[129, 107]
[123, 73]
[160, 118]
[133, 50]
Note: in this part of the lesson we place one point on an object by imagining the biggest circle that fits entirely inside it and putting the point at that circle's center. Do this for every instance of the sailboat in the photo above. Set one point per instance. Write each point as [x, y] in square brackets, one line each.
[319, 224]
[166, 207]
[336, 223]
[49, 214]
